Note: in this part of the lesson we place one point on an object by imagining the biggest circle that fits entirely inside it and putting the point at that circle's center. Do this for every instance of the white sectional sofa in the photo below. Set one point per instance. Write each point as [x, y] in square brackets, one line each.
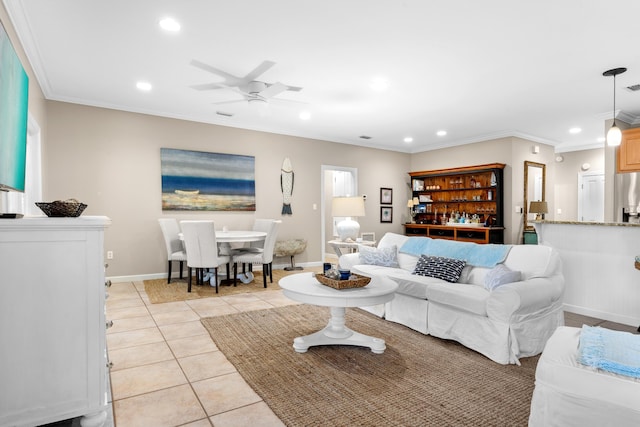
[504, 323]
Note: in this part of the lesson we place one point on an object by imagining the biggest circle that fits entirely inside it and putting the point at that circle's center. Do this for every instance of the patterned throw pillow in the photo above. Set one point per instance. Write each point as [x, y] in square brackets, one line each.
[499, 275]
[448, 269]
[386, 257]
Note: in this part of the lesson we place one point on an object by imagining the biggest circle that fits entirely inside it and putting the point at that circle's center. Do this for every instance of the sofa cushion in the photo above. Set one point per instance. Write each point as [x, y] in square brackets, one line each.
[472, 298]
[500, 275]
[407, 262]
[386, 257]
[448, 269]
[411, 284]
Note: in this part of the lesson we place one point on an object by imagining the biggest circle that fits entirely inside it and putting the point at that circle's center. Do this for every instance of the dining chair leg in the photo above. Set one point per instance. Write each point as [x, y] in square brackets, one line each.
[189, 285]
[215, 277]
[265, 267]
[235, 273]
[270, 272]
[169, 274]
[181, 268]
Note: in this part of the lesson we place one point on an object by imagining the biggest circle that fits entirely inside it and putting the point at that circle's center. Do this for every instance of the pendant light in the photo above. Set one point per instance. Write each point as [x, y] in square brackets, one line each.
[614, 136]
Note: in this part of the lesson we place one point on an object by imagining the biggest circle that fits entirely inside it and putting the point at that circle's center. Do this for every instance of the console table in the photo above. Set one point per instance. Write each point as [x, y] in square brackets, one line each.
[53, 361]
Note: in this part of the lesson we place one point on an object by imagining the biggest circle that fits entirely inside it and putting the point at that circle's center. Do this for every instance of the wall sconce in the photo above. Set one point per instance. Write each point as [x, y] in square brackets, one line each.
[538, 208]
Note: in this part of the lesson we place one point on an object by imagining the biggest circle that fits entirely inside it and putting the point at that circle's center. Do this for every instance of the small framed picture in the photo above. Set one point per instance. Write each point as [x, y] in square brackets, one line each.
[386, 196]
[386, 214]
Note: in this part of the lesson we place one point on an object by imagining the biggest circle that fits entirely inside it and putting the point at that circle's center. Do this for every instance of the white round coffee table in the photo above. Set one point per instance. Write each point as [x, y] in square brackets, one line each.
[305, 288]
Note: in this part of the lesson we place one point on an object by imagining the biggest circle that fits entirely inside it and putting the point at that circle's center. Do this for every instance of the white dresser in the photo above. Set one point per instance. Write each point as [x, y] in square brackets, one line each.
[53, 361]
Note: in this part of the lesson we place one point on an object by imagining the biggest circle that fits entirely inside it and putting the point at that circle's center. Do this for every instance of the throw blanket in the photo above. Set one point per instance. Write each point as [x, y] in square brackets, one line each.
[473, 253]
[613, 351]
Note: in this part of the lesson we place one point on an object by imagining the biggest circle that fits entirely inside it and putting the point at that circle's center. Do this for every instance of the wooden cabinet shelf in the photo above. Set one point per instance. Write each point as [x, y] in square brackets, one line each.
[474, 191]
[459, 233]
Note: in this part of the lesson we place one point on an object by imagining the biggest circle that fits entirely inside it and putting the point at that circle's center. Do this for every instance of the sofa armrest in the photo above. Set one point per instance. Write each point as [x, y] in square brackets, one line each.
[519, 300]
[349, 260]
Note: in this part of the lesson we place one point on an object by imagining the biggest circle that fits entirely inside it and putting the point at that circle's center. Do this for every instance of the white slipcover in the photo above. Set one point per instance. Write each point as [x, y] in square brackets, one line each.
[514, 320]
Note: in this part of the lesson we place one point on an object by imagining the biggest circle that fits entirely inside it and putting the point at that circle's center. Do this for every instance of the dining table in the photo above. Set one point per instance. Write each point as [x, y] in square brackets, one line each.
[225, 238]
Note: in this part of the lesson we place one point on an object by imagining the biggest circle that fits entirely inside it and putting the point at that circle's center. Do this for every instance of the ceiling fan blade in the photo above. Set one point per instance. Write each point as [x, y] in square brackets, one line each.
[258, 71]
[273, 90]
[229, 79]
[294, 88]
[236, 101]
[207, 86]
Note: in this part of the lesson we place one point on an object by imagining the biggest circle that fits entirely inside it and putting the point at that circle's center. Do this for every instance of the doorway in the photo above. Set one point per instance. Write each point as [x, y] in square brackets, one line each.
[591, 196]
[335, 181]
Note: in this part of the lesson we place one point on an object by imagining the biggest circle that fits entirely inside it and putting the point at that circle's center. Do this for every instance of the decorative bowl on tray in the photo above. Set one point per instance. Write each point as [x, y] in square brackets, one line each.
[62, 208]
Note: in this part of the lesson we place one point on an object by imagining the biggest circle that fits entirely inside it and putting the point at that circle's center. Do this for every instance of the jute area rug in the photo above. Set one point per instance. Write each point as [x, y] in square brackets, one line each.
[418, 381]
[159, 291]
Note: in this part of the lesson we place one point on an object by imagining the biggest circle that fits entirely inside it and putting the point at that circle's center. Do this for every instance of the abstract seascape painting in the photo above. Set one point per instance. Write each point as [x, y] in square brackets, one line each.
[201, 181]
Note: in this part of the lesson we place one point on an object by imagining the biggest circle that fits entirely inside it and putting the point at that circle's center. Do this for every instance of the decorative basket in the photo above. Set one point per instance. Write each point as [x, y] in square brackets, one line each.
[62, 208]
[358, 282]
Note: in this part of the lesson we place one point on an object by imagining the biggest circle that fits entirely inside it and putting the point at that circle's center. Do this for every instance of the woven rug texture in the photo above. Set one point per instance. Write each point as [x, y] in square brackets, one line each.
[159, 291]
[418, 381]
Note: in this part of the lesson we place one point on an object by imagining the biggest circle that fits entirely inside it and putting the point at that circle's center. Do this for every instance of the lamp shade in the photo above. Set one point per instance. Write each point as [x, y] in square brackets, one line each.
[347, 206]
[538, 207]
[614, 136]
[347, 229]
[416, 201]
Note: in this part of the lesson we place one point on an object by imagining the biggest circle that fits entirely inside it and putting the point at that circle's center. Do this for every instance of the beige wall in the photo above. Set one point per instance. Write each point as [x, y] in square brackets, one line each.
[111, 161]
[566, 182]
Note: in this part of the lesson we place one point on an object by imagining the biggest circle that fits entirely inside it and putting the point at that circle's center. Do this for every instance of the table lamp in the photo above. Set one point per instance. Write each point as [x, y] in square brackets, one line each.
[348, 207]
[411, 204]
[538, 208]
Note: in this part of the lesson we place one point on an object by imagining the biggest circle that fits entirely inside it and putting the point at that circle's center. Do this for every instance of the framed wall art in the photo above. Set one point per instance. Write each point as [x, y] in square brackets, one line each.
[202, 181]
[386, 196]
[386, 214]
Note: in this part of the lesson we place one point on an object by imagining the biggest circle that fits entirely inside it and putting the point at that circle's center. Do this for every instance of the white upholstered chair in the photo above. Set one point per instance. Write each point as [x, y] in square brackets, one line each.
[262, 255]
[175, 251]
[202, 249]
[263, 225]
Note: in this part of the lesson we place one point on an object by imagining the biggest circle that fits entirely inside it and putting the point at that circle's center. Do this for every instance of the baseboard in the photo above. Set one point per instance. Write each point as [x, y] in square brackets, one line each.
[611, 317]
[256, 267]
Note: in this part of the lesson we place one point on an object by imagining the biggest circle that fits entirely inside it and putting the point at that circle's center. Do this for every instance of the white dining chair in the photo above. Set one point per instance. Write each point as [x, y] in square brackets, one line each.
[202, 250]
[262, 255]
[263, 225]
[175, 251]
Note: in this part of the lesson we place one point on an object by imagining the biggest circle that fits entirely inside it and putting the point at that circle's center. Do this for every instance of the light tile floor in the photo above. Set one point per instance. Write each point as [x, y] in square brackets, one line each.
[168, 372]
[166, 369]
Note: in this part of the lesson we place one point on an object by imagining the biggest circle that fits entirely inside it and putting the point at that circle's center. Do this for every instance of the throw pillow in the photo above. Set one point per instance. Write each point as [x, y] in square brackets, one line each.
[499, 275]
[386, 257]
[443, 268]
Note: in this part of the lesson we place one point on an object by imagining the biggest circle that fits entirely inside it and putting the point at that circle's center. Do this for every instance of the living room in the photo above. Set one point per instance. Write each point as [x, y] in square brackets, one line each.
[110, 159]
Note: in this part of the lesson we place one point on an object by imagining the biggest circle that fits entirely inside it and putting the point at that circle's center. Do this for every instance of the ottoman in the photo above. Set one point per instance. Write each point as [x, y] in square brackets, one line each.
[568, 393]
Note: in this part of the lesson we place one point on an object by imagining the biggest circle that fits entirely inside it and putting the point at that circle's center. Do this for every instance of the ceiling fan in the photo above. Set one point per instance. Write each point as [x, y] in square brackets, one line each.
[253, 91]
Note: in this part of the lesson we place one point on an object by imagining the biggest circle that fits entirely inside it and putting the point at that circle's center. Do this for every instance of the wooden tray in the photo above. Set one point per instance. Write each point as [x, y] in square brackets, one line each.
[358, 282]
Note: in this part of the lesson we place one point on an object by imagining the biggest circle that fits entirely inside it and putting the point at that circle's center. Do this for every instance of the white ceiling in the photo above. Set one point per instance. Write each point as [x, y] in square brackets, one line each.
[477, 69]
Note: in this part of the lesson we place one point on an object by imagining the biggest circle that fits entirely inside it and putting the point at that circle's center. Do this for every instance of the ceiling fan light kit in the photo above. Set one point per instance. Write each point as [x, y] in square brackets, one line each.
[614, 135]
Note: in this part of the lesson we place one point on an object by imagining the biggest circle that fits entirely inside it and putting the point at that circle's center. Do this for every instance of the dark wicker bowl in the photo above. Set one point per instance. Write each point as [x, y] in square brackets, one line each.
[62, 208]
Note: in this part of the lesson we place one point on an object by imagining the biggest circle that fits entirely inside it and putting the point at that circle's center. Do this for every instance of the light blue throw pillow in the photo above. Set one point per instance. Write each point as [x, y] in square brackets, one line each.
[386, 257]
[500, 275]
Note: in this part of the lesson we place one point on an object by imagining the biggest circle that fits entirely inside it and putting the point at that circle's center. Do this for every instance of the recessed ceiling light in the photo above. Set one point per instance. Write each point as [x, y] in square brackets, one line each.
[304, 115]
[145, 86]
[379, 84]
[575, 130]
[441, 133]
[408, 139]
[170, 24]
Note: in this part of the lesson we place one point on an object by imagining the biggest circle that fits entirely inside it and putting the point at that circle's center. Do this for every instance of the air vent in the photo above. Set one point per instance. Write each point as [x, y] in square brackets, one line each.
[365, 137]
[634, 88]
[222, 113]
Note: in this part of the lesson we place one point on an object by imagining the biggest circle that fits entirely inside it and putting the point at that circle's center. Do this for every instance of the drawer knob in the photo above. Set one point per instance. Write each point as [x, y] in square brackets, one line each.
[107, 283]
[109, 324]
